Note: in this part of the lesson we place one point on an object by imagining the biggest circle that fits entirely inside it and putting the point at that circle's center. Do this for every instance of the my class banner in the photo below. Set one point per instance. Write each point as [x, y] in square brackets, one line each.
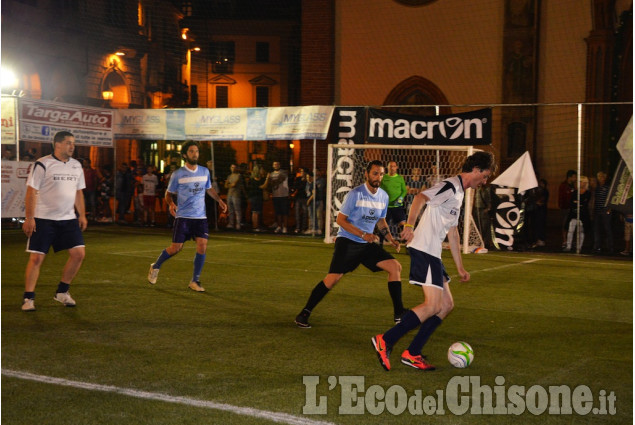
[39, 120]
[464, 129]
[217, 124]
[14, 175]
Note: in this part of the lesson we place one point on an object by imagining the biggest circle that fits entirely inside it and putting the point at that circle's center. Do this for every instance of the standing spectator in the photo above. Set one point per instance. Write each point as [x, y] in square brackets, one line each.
[30, 155]
[440, 219]
[628, 235]
[602, 229]
[105, 193]
[483, 205]
[7, 154]
[54, 193]
[123, 189]
[395, 186]
[300, 200]
[320, 199]
[210, 204]
[542, 200]
[279, 180]
[309, 190]
[255, 186]
[565, 190]
[235, 186]
[138, 197]
[572, 218]
[414, 184]
[189, 184]
[92, 178]
[150, 183]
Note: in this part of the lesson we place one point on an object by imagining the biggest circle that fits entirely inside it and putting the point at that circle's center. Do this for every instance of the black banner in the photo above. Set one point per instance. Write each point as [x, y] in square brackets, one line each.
[350, 124]
[621, 192]
[508, 217]
[464, 129]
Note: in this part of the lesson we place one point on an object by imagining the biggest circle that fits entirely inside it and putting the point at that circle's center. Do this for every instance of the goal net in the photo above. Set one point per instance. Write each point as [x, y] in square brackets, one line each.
[421, 167]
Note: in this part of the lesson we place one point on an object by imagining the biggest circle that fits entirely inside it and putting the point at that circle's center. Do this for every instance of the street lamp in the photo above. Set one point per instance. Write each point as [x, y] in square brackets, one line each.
[188, 72]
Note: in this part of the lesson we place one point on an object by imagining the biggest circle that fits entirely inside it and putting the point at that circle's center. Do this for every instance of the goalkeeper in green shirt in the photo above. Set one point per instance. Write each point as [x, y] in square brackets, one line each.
[395, 185]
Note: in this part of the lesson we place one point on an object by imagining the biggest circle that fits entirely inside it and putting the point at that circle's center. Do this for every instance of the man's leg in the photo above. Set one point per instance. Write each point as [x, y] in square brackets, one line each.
[199, 261]
[393, 267]
[319, 292]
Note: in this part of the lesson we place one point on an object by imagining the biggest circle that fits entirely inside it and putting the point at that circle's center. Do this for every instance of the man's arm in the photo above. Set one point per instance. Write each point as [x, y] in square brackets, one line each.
[28, 227]
[417, 204]
[342, 221]
[170, 201]
[81, 209]
[383, 228]
[211, 192]
[455, 248]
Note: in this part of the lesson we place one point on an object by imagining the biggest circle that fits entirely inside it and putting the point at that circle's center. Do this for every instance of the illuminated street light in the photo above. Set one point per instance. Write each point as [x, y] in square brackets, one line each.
[8, 78]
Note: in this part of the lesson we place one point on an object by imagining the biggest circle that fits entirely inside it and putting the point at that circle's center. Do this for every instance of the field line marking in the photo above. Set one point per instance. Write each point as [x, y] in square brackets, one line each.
[504, 266]
[284, 418]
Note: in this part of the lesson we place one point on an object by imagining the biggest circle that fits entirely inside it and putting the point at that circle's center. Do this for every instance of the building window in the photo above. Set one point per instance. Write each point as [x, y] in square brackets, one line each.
[222, 55]
[222, 96]
[116, 13]
[186, 8]
[262, 52]
[262, 96]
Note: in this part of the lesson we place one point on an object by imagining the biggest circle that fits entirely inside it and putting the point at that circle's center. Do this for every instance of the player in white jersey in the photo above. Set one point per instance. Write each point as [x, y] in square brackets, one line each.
[364, 207]
[53, 193]
[189, 184]
[440, 218]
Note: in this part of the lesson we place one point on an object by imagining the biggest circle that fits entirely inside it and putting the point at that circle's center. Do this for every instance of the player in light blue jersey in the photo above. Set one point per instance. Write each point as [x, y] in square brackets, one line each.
[364, 208]
[189, 184]
[440, 219]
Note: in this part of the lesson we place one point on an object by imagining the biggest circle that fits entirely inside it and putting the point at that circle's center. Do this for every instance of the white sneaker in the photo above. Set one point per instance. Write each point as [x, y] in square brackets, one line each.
[153, 274]
[278, 230]
[28, 304]
[195, 286]
[284, 230]
[64, 298]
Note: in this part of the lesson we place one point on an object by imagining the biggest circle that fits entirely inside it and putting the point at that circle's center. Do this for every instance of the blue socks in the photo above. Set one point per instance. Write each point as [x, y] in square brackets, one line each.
[162, 258]
[199, 260]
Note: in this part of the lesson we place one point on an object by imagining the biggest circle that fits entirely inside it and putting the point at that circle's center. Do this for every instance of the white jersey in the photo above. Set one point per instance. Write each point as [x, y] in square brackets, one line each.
[441, 214]
[57, 183]
[150, 183]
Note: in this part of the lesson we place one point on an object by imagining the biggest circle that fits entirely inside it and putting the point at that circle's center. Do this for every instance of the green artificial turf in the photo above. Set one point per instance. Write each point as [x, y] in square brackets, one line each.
[533, 320]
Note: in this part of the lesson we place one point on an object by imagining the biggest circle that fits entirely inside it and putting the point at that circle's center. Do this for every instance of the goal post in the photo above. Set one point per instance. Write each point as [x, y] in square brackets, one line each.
[421, 167]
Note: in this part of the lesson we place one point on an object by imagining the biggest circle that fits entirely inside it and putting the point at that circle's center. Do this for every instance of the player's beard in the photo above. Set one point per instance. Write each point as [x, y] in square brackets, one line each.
[191, 161]
[374, 183]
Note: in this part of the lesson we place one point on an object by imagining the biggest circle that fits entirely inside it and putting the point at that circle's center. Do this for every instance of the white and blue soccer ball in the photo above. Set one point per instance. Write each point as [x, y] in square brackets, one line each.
[460, 354]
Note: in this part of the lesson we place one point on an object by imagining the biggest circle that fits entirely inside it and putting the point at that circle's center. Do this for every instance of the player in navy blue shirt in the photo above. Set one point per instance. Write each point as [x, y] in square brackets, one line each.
[189, 184]
[364, 207]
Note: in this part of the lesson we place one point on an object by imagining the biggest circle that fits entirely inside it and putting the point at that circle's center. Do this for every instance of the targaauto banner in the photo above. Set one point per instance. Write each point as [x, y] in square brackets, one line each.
[464, 129]
[40, 120]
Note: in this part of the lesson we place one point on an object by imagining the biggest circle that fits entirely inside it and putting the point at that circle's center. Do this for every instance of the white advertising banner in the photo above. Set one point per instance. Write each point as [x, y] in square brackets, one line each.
[279, 123]
[40, 120]
[216, 124]
[14, 176]
[303, 122]
[9, 121]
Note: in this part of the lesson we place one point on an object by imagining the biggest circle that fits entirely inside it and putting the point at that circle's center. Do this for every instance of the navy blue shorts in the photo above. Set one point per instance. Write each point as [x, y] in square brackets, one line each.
[426, 269]
[396, 215]
[186, 229]
[348, 255]
[60, 234]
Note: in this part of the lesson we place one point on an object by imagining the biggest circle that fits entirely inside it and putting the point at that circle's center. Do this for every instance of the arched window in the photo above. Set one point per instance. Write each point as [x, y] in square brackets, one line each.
[417, 91]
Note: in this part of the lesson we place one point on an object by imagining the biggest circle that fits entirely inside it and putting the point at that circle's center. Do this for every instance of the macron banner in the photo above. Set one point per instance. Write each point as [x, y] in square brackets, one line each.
[40, 120]
[278, 123]
[464, 129]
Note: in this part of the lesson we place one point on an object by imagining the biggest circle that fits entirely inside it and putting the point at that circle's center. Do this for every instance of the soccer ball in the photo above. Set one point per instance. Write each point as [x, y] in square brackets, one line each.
[460, 354]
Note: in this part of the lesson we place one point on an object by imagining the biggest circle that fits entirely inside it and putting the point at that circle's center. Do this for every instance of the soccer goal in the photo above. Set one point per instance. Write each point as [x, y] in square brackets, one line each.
[421, 167]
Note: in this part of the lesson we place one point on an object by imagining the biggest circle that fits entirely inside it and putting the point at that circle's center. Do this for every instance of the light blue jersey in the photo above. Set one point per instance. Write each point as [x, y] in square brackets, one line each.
[190, 187]
[363, 210]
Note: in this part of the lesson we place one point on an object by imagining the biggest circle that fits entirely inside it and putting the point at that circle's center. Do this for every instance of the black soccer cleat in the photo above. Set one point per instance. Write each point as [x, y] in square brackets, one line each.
[302, 320]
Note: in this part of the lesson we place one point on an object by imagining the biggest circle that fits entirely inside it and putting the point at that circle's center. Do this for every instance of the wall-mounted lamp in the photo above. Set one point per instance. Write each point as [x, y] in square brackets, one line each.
[184, 32]
[107, 95]
[291, 146]
[120, 53]
[196, 49]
